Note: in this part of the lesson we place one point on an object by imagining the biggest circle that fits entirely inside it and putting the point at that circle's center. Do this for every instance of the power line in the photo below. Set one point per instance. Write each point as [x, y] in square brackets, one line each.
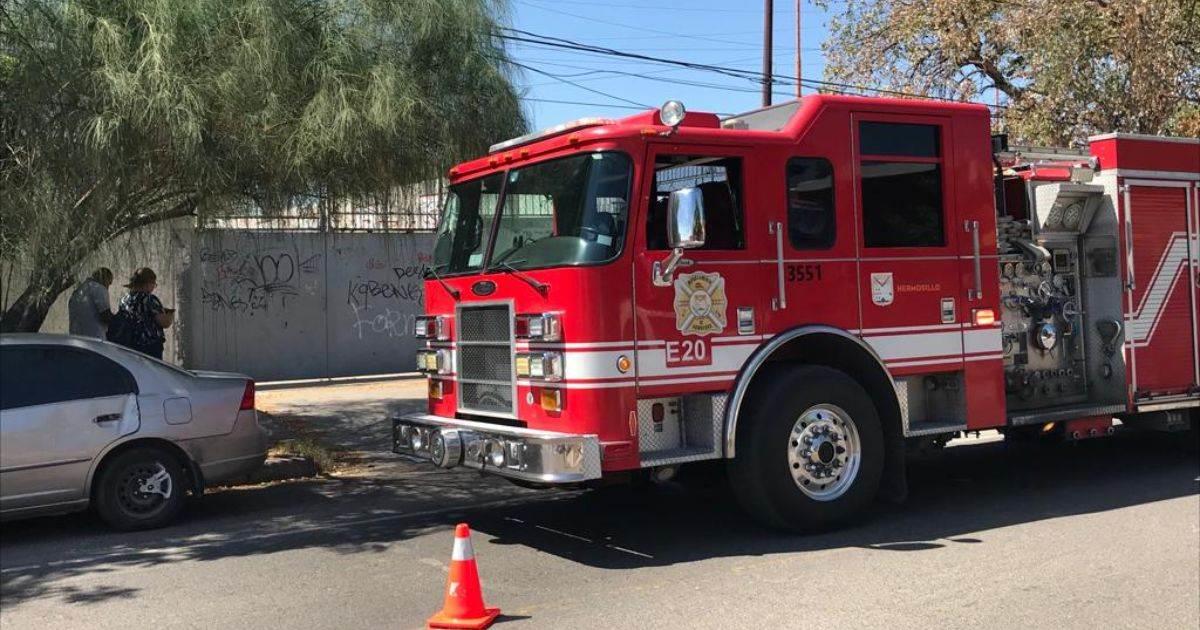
[608, 105]
[558, 42]
[778, 49]
[582, 87]
[636, 75]
[630, 26]
[558, 102]
[757, 77]
[652, 7]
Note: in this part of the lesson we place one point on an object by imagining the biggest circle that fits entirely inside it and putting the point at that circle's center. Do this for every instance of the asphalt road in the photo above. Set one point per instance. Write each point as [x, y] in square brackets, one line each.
[1103, 534]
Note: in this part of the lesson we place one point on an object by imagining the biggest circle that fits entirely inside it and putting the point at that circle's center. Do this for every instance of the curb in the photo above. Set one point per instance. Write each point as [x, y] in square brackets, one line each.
[337, 380]
[277, 469]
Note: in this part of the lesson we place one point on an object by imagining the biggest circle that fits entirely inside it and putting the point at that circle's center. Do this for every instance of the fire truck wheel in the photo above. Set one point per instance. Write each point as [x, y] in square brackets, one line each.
[809, 449]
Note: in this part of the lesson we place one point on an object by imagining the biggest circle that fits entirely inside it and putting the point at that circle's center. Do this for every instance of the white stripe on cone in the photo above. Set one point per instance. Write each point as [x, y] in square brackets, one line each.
[462, 549]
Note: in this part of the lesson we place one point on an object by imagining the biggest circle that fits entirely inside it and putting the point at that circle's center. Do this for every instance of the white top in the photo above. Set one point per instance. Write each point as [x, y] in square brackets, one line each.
[88, 301]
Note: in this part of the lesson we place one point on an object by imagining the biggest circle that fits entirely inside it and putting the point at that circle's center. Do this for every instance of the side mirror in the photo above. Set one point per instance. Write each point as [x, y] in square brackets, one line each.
[685, 230]
[685, 219]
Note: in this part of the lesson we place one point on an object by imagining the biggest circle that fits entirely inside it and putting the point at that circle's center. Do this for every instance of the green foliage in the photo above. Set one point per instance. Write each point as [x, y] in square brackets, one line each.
[120, 113]
[1067, 68]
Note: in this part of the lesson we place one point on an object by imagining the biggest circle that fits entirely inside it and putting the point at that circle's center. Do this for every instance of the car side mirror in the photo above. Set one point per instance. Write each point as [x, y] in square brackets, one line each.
[685, 230]
[685, 219]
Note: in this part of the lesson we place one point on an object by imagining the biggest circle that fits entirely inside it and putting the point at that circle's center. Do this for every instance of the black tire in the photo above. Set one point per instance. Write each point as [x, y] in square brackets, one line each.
[761, 474]
[119, 499]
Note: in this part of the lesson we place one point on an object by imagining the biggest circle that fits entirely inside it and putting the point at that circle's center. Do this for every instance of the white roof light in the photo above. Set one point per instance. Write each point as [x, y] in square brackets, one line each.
[551, 131]
[671, 113]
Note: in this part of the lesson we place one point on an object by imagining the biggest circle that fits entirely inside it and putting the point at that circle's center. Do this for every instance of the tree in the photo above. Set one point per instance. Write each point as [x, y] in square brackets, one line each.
[117, 114]
[1066, 69]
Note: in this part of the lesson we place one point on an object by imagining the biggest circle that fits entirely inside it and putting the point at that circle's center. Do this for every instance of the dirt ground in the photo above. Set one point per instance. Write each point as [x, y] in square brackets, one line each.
[350, 421]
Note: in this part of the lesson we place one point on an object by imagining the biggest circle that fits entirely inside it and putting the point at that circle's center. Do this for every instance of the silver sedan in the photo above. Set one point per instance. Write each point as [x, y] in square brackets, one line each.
[86, 423]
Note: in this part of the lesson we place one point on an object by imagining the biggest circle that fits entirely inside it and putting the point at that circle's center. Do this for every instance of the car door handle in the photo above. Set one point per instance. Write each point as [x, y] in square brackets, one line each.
[108, 417]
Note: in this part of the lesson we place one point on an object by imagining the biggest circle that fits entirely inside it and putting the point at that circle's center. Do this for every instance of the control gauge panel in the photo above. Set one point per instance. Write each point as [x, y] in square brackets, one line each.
[1065, 208]
[1072, 216]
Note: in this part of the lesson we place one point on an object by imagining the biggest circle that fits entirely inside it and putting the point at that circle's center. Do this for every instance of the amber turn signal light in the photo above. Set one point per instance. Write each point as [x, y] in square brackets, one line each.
[984, 316]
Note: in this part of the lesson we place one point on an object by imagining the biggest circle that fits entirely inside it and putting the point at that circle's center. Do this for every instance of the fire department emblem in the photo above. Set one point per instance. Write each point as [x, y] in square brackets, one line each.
[700, 303]
[883, 290]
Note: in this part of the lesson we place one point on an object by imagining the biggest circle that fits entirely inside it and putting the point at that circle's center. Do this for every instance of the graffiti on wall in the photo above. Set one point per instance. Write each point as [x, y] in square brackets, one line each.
[385, 299]
[261, 280]
[283, 305]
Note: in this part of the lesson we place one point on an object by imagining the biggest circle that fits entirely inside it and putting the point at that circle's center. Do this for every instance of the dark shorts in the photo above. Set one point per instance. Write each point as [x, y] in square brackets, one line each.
[154, 349]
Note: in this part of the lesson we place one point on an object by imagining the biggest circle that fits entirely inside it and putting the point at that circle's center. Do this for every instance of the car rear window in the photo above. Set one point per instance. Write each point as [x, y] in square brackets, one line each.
[39, 375]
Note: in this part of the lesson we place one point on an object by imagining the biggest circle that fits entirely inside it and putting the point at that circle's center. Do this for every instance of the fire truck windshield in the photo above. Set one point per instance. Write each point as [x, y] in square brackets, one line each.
[568, 211]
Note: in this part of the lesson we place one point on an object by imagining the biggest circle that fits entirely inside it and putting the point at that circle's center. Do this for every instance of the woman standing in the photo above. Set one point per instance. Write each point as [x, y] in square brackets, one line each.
[141, 316]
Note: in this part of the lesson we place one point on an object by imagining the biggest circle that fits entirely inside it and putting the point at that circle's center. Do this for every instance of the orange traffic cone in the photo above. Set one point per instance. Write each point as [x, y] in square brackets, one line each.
[464, 607]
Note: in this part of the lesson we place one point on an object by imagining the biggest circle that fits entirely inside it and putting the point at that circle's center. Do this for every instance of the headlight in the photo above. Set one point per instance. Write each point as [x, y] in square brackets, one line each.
[522, 365]
[543, 366]
[431, 327]
[433, 361]
[541, 327]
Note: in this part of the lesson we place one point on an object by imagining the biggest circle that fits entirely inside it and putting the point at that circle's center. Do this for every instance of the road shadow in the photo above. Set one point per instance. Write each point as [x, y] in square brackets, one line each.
[343, 515]
[362, 426]
[956, 498]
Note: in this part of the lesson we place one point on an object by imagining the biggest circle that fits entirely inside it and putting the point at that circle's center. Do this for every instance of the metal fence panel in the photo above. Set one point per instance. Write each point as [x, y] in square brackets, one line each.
[258, 304]
[292, 305]
[375, 290]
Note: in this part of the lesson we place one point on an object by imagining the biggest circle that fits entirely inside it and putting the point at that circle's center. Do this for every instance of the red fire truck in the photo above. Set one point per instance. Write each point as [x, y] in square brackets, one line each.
[806, 291]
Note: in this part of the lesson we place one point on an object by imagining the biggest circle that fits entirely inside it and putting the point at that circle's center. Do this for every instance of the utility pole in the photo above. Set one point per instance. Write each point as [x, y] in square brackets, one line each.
[799, 76]
[767, 51]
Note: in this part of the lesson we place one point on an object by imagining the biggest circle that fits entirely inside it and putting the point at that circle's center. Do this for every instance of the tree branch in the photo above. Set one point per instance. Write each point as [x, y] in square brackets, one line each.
[989, 68]
[185, 208]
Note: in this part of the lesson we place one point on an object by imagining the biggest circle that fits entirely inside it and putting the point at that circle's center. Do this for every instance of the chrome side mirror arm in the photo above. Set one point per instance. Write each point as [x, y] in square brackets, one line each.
[663, 272]
[685, 230]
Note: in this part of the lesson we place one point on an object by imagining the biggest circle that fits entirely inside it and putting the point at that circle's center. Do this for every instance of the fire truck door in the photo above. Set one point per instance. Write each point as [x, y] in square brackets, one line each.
[697, 324]
[1161, 261]
[910, 286]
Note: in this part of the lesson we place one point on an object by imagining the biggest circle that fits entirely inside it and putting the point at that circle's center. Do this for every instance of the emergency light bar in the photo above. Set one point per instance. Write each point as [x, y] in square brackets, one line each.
[548, 132]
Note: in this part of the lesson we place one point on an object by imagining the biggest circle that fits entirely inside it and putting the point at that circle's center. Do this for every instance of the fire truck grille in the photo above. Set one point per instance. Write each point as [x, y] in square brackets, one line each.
[490, 363]
[485, 362]
[485, 323]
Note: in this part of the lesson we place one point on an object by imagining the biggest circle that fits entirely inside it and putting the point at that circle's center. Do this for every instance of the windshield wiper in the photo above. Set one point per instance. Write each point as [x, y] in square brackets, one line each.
[540, 287]
[432, 271]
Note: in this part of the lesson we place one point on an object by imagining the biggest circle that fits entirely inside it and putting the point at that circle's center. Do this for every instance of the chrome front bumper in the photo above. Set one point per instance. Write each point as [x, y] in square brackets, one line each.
[527, 454]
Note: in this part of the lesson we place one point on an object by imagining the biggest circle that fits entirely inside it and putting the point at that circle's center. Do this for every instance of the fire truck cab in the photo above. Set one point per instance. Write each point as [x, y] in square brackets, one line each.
[806, 291]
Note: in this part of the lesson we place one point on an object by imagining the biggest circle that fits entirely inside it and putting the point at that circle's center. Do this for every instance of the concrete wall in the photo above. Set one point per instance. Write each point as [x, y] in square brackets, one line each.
[164, 247]
[274, 305]
[286, 305]
[376, 289]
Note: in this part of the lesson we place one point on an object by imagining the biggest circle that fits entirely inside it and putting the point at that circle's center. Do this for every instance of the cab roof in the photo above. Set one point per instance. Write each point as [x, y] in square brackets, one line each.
[781, 123]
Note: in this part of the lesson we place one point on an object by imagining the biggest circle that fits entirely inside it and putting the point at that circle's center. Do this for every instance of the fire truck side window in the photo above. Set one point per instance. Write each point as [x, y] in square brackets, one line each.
[901, 168]
[720, 184]
[811, 223]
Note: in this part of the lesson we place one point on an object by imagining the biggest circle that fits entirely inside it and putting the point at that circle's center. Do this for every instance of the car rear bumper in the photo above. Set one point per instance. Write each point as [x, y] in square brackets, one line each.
[519, 453]
[233, 468]
[233, 455]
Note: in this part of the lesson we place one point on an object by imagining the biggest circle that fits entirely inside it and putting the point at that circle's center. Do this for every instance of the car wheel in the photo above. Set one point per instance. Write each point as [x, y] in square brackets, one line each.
[810, 449]
[142, 488]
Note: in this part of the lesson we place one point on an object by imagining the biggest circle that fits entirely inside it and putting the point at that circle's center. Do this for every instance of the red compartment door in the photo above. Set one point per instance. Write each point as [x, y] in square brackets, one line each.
[1161, 305]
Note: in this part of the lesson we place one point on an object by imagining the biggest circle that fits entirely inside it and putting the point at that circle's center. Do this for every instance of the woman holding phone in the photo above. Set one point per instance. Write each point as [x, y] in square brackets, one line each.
[141, 317]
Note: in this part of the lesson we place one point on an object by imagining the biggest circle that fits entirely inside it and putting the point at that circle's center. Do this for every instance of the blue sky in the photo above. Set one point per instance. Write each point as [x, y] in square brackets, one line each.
[718, 33]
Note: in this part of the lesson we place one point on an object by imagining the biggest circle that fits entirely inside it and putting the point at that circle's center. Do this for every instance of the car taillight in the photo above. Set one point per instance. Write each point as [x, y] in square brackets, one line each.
[248, 397]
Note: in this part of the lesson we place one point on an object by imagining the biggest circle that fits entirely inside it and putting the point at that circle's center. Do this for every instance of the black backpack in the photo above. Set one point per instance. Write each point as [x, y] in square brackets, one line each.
[120, 329]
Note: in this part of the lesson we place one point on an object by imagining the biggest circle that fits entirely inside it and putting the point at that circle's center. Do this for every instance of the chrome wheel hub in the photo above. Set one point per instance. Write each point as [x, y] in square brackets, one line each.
[143, 489]
[824, 452]
[158, 483]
